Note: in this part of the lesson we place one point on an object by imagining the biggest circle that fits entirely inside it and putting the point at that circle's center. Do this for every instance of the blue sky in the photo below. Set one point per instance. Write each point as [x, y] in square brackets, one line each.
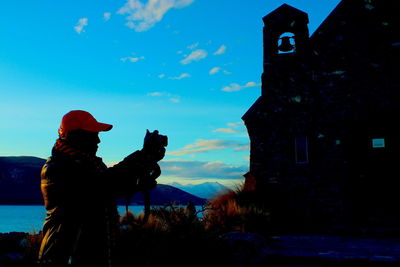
[189, 68]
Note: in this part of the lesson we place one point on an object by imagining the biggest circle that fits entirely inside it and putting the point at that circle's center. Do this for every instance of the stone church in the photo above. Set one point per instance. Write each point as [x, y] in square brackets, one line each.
[325, 132]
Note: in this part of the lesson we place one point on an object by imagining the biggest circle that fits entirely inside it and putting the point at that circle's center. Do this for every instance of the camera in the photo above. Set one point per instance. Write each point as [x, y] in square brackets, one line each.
[155, 140]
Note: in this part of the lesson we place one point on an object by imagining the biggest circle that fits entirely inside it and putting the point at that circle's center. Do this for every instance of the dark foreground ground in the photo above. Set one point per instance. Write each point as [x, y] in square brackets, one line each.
[333, 251]
[236, 249]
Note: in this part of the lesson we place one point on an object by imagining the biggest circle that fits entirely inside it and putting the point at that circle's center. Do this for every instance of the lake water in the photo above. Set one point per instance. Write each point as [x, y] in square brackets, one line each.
[30, 219]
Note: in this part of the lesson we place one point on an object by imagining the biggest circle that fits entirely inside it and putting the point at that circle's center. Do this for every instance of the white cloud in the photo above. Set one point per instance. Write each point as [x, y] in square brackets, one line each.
[193, 46]
[162, 75]
[234, 87]
[155, 94]
[143, 16]
[131, 59]
[220, 50]
[214, 70]
[106, 16]
[172, 98]
[80, 26]
[194, 56]
[180, 77]
[202, 145]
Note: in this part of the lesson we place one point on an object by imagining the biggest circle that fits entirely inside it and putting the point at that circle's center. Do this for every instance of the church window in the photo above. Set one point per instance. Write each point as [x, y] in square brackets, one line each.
[378, 142]
[301, 149]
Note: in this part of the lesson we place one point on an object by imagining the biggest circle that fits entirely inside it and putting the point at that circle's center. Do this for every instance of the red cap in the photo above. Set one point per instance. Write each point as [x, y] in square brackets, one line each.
[79, 119]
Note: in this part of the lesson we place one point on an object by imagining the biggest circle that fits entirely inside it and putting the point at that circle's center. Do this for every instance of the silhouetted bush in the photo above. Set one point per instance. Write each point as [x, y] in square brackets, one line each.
[19, 249]
[237, 210]
[171, 237]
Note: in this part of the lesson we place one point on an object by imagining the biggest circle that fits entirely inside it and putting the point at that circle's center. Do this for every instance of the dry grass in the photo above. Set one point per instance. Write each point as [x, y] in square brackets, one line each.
[166, 218]
[237, 210]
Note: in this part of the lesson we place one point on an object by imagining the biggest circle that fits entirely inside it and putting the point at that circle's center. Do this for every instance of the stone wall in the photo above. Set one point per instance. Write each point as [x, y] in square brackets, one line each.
[340, 89]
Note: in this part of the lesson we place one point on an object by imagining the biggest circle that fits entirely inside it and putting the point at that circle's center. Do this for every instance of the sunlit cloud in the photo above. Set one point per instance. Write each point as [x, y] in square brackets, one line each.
[202, 145]
[202, 169]
[251, 84]
[106, 16]
[112, 163]
[221, 50]
[80, 26]
[235, 124]
[131, 59]
[194, 56]
[143, 16]
[180, 77]
[242, 148]
[234, 87]
[214, 70]
[224, 130]
[233, 127]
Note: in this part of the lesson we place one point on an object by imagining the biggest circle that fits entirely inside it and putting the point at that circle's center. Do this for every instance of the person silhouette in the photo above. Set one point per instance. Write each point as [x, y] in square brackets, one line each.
[80, 192]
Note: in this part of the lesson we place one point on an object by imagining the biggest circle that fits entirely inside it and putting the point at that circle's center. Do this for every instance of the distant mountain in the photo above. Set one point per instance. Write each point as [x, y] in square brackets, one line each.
[205, 190]
[163, 194]
[20, 184]
[20, 180]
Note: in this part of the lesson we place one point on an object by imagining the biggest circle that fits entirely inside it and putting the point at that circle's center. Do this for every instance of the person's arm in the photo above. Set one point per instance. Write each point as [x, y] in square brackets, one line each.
[136, 172]
[139, 170]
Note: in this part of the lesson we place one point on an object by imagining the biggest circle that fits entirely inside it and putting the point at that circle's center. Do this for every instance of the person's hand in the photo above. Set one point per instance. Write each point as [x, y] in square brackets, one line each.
[148, 184]
[157, 154]
[148, 181]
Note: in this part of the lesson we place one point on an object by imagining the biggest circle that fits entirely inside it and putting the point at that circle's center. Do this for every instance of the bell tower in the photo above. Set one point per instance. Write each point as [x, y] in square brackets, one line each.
[285, 44]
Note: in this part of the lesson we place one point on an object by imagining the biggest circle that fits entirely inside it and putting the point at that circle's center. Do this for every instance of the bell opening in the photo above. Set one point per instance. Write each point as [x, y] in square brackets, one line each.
[286, 43]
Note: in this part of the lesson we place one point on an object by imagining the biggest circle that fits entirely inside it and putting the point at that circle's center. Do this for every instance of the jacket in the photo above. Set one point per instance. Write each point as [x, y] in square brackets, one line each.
[80, 194]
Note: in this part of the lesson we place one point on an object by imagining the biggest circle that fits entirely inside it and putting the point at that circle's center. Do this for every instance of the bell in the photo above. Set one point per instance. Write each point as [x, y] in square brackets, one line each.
[285, 45]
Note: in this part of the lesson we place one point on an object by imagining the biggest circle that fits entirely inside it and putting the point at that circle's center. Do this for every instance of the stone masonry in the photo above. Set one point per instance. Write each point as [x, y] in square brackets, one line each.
[324, 139]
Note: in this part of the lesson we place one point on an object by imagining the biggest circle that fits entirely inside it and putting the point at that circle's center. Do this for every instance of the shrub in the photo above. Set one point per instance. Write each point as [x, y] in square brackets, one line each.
[237, 210]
